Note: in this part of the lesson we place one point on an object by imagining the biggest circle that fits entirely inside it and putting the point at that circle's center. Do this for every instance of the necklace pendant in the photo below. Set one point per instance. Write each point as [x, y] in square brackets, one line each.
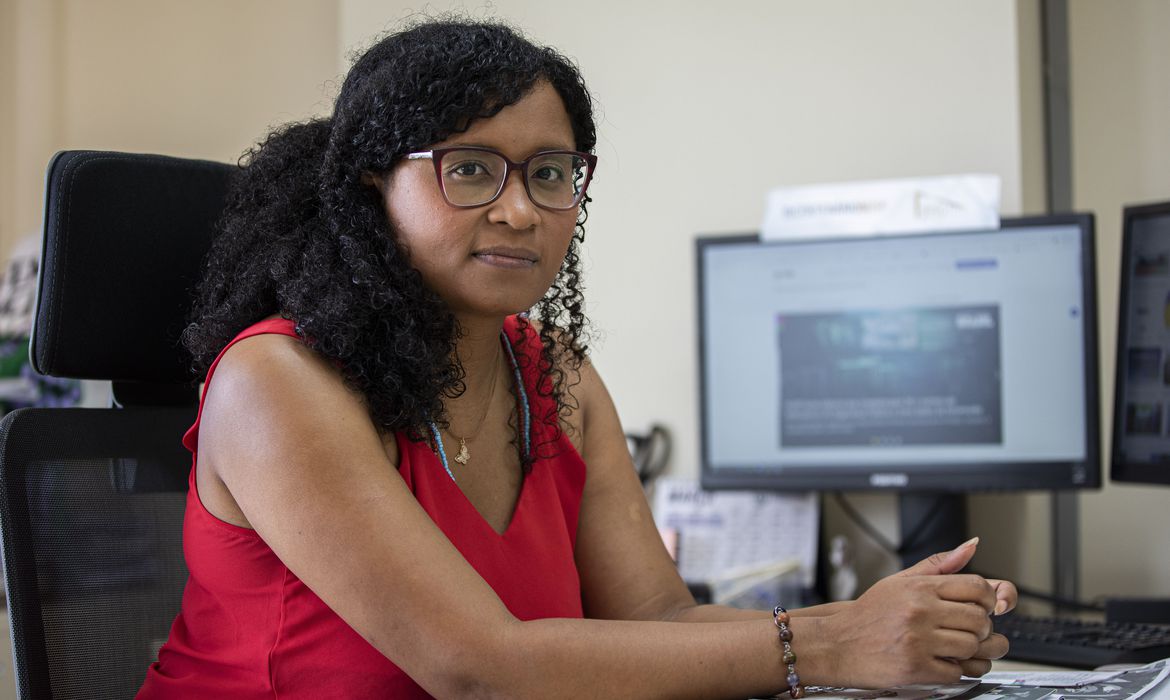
[464, 456]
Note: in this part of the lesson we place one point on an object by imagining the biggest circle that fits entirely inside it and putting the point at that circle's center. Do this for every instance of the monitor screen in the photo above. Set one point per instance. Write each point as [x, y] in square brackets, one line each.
[936, 362]
[1141, 396]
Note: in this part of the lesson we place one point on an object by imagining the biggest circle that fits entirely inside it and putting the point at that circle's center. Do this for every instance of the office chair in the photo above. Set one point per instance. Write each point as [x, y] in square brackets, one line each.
[92, 499]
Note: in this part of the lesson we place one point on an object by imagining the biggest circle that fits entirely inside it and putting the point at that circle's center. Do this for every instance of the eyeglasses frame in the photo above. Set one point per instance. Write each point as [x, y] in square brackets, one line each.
[436, 157]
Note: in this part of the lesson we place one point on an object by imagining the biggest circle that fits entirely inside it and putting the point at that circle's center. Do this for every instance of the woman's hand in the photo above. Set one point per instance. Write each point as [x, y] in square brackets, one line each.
[926, 624]
[1006, 596]
[996, 645]
[953, 561]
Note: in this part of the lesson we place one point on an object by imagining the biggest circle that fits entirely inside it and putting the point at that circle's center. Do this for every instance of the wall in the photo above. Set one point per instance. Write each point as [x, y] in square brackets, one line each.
[1121, 155]
[200, 79]
[7, 118]
[705, 107]
[31, 86]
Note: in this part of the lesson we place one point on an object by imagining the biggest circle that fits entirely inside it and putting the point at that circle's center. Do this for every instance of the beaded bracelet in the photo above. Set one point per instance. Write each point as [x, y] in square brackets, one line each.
[781, 618]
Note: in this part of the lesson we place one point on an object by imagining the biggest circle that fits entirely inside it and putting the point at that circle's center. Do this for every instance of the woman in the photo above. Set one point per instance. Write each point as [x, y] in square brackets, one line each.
[402, 487]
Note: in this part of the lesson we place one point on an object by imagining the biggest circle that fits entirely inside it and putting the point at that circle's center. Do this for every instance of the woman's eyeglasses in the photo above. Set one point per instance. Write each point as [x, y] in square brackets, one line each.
[472, 176]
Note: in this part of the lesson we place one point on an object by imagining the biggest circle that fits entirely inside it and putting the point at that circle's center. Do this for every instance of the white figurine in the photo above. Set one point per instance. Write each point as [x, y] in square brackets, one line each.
[843, 579]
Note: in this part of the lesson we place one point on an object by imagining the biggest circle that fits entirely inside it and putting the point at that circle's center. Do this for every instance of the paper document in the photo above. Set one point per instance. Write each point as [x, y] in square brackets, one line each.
[902, 692]
[1053, 679]
[1123, 685]
[730, 531]
[911, 205]
[1149, 681]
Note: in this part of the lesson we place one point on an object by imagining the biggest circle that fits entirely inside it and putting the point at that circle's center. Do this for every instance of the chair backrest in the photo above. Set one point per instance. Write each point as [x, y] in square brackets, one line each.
[92, 500]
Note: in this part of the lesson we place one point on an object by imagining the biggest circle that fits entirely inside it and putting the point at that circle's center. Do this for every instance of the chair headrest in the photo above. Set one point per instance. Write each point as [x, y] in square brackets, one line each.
[124, 241]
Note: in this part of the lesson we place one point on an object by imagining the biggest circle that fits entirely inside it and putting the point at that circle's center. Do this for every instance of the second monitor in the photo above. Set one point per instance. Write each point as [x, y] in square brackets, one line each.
[948, 362]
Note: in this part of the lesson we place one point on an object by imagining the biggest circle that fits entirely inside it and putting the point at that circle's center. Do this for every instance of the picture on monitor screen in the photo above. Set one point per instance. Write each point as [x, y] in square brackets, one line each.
[913, 376]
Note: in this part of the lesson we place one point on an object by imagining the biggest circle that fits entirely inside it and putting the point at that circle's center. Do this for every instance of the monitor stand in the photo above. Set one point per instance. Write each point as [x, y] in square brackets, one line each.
[930, 523]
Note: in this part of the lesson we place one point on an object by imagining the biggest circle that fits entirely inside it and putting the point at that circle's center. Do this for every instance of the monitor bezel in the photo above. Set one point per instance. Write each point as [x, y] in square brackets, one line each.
[1121, 469]
[944, 477]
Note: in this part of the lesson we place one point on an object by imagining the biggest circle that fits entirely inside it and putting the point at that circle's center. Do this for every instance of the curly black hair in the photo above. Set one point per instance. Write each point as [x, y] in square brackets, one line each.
[305, 235]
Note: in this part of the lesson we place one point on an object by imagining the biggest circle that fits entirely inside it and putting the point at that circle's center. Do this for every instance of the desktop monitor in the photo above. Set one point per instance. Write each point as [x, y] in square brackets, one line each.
[939, 363]
[1141, 398]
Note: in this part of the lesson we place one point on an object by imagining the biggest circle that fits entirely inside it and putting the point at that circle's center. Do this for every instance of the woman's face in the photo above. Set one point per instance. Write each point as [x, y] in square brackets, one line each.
[499, 258]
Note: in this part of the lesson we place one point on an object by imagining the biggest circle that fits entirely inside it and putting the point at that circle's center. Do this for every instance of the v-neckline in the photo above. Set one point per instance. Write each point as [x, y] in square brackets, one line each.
[512, 517]
[525, 415]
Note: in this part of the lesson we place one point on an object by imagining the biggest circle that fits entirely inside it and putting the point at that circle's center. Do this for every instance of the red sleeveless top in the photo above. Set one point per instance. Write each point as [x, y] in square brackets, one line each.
[249, 628]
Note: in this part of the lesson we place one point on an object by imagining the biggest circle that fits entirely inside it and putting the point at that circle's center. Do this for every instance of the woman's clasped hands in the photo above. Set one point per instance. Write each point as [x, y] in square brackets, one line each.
[926, 624]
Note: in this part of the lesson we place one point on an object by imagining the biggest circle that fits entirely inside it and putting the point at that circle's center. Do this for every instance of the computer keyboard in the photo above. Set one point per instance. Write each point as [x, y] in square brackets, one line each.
[1082, 644]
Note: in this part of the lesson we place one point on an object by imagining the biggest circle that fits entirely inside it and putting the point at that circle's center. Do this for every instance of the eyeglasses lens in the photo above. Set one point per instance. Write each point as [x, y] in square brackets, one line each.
[555, 179]
[472, 177]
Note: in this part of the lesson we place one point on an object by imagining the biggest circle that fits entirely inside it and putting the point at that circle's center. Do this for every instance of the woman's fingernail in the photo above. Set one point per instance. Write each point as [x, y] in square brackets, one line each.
[969, 543]
[1000, 607]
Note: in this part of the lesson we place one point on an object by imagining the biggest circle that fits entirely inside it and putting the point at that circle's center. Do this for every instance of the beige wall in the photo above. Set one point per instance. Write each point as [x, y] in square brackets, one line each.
[202, 79]
[7, 119]
[32, 113]
[1120, 61]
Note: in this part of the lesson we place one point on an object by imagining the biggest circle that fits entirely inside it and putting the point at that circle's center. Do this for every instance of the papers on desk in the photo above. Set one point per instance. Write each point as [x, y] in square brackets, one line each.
[1129, 684]
[1054, 679]
[738, 534]
[1149, 680]
[903, 692]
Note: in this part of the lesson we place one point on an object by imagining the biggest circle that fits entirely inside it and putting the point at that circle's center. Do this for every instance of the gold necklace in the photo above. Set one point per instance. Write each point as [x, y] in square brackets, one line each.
[464, 455]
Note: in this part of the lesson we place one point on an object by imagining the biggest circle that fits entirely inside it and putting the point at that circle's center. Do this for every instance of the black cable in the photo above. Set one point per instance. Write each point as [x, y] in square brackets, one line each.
[908, 542]
[884, 542]
[864, 524]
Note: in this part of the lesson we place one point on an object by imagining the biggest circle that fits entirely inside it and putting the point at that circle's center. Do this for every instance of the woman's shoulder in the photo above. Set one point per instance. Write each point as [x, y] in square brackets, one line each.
[250, 342]
[266, 371]
[269, 364]
[273, 379]
[263, 349]
[266, 356]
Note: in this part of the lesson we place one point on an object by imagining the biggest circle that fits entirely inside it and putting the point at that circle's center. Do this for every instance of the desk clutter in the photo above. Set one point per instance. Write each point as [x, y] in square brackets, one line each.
[1148, 681]
[748, 549]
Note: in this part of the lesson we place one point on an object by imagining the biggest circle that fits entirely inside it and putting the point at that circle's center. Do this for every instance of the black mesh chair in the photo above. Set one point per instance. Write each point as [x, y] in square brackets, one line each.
[92, 500]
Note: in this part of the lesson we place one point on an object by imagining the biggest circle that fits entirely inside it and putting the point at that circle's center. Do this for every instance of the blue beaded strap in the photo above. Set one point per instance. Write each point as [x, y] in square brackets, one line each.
[442, 452]
[526, 418]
